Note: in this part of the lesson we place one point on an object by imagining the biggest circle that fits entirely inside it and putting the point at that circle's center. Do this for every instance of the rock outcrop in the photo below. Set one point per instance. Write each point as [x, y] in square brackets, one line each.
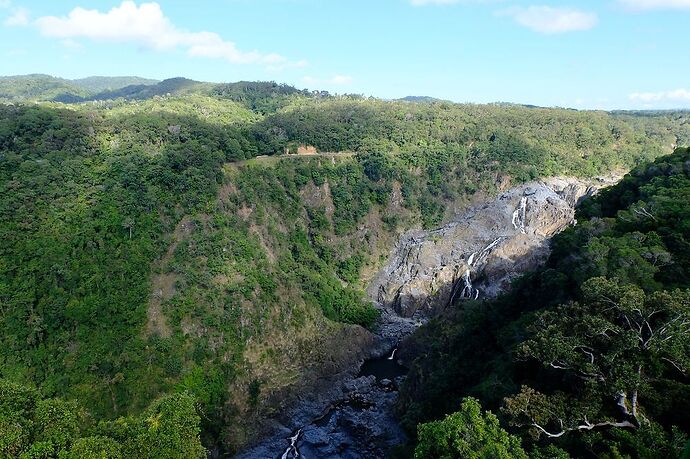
[477, 255]
[482, 251]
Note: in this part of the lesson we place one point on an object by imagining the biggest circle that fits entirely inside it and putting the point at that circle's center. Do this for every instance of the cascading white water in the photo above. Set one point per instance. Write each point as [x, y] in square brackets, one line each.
[292, 452]
[468, 291]
[520, 215]
[481, 256]
[392, 356]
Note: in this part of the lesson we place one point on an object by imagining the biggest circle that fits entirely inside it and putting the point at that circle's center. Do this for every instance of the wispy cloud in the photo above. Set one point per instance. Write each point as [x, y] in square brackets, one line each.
[19, 17]
[339, 80]
[5, 3]
[646, 5]
[677, 95]
[147, 26]
[551, 20]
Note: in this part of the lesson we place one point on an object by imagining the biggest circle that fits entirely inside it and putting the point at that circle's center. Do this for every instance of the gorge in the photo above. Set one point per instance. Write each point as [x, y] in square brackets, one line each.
[477, 253]
[177, 280]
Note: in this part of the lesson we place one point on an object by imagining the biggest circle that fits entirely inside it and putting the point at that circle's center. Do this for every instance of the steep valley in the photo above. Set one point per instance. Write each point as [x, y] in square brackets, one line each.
[477, 253]
[173, 273]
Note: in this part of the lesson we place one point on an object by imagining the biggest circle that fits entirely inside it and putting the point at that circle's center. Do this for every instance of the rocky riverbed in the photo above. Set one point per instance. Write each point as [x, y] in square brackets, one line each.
[350, 415]
[477, 255]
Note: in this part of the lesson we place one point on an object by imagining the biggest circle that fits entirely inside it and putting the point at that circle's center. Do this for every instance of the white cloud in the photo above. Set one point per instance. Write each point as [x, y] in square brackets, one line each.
[642, 5]
[551, 20]
[677, 95]
[19, 17]
[147, 26]
[339, 80]
[5, 3]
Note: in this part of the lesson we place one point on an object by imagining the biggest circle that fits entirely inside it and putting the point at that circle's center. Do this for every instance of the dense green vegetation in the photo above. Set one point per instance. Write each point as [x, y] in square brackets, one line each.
[33, 427]
[542, 141]
[467, 433]
[97, 84]
[591, 353]
[44, 87]
[147, 251]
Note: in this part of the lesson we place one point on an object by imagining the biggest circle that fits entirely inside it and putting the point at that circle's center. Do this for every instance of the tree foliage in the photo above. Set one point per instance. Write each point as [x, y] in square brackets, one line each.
[149, 193]
[467, 433]
[592, 351]
[34, 427]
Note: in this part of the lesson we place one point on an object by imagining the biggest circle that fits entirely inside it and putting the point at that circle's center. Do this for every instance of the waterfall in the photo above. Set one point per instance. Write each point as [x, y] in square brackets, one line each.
[291, 452]
[467, 291]
[481, 256]
[475, 258]
[520, 215]
[470, 260]
[392, 356]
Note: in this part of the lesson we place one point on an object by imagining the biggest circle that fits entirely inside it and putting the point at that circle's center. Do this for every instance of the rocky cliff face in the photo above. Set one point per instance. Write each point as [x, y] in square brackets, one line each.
[477, 255]
[482, 251]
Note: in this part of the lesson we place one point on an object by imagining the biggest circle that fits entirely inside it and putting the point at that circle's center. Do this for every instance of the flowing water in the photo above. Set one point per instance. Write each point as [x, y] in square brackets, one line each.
[385, 369]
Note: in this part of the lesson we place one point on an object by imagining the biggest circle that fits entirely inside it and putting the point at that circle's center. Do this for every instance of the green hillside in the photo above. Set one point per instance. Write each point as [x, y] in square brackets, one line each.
[149, 248]
[37, 88]
[97, 84]
[590, 354]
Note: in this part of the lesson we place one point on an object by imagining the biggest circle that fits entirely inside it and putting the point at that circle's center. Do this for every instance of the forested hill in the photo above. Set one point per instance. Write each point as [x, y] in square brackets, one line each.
[145, 255]
[37, 87]
[587, 357]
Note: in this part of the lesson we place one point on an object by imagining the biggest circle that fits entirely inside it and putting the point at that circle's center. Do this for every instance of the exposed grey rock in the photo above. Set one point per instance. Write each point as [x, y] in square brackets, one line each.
[480, 252]
[359, 423]
[476, 255]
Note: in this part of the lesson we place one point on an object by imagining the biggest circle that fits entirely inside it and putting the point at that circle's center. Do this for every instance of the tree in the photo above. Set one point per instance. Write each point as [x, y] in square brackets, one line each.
[17, 404]
[376, 165]
[169, 429]
[614, 342]
[56, 422]
[467, 433]
[31, 428]
[94, 448]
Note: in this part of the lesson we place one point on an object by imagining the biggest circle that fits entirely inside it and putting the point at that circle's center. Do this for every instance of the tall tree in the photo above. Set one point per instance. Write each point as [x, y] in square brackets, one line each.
[615, 342]
[469, 434]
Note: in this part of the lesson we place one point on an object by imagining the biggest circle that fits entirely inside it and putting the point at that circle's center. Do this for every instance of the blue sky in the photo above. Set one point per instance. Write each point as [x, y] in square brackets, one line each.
[605, 54]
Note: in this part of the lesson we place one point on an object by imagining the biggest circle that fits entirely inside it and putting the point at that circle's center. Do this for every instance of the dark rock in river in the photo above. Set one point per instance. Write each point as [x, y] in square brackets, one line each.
[344, 414]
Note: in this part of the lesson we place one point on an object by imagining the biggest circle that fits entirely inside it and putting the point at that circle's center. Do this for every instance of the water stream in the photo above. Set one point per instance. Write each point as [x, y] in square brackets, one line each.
[520, 215]
[292, 452]
[385, 369]
[358, 420]
[474, 260]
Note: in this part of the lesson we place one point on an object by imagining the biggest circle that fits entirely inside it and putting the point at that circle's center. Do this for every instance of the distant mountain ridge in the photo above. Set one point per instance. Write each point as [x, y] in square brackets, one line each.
[41, 87]
[261, 96]
[106, 83]
[421, 99]
[140, 91]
